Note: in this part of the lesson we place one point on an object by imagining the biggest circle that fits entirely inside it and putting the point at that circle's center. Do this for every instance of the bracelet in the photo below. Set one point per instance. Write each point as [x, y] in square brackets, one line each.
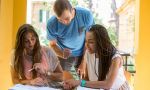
[82, 83]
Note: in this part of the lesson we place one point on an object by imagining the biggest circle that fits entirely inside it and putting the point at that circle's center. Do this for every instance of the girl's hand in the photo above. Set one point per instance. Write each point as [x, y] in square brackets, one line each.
[37, 82]
[69, 84]
[39, 68]
[81, 71]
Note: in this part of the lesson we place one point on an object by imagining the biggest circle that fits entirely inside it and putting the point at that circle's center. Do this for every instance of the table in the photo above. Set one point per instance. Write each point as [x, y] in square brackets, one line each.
[66, 76]
[28, 87]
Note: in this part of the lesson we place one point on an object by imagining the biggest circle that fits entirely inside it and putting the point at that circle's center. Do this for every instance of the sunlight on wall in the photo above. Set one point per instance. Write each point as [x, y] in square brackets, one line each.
[12, 15]
[19, 15]
[6, 17]
[143, 57]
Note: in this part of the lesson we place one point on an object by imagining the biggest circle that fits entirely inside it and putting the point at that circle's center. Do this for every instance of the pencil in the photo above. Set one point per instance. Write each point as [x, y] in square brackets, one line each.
[31, 69]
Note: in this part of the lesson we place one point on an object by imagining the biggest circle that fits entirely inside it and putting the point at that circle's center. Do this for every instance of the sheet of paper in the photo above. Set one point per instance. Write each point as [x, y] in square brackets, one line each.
[84, 88]
[28, 87]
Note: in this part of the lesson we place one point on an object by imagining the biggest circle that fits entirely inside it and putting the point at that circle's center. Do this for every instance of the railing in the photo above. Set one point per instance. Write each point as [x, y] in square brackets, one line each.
[125, 62]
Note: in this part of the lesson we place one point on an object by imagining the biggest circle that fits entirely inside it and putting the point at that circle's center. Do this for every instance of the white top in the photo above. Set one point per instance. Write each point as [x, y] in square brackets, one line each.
[92, 67]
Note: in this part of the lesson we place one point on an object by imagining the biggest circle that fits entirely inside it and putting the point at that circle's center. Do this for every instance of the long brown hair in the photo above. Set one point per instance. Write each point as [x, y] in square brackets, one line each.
[19, 48]
[104, 49]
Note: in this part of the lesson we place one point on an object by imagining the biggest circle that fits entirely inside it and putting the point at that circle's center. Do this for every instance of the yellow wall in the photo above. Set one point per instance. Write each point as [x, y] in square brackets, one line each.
[142, 81]
[19, 15]
[12, 14]
[6, 18]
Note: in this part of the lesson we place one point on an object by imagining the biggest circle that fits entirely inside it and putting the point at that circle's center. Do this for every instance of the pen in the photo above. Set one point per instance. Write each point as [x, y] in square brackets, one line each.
[31, 69]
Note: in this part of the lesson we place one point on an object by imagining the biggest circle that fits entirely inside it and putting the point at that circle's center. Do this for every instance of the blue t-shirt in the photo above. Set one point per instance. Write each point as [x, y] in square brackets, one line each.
[71, 36]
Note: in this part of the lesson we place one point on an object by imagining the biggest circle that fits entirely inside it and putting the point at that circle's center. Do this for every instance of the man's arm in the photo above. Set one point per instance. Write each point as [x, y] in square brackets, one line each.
[57, 75]
[57, 50]
[65, 53]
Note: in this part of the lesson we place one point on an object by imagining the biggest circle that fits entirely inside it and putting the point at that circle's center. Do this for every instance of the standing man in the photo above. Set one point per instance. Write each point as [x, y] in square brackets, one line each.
[66, 32]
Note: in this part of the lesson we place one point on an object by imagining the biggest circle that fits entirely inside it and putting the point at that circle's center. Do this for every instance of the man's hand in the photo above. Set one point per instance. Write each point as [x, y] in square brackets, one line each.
[70, 84]
[66, 53]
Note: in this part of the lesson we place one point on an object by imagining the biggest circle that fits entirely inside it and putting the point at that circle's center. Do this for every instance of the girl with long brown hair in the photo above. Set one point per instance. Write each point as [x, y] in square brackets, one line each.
[31, 63]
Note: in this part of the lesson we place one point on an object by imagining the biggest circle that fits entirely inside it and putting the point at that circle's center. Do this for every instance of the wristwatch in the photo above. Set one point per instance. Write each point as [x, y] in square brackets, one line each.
[49, 73]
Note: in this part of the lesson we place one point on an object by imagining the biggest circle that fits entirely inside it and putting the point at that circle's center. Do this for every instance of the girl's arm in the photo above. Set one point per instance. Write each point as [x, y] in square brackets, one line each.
[86, 77]
[106, 84]
[57, 75]
[15, 78]
[14, 74]
[111, 76]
